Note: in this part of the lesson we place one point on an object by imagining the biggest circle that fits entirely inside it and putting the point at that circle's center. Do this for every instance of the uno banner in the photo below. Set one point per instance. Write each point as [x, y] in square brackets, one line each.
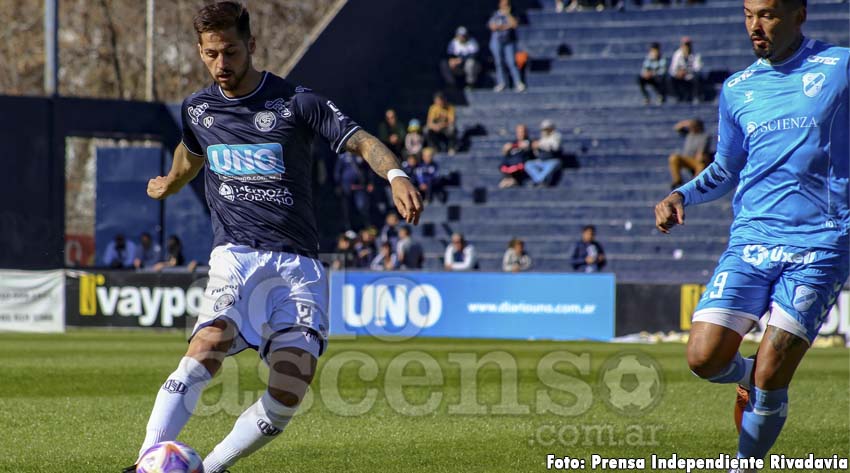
[32, 301]
[473, 305]
[131, 299]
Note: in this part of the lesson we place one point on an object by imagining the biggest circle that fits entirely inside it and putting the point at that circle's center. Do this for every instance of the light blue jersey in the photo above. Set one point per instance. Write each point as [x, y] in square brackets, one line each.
[783, 142]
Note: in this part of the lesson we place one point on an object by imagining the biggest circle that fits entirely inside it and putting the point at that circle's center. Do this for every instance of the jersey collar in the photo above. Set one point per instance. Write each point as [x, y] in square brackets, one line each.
[805, 44]
[243, 97]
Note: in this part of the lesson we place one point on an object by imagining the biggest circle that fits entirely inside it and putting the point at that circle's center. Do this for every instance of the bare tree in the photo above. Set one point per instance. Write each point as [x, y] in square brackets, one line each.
[102, 44]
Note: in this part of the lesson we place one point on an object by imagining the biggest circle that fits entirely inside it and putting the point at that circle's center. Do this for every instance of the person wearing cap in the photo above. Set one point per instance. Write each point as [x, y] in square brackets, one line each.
[547, 155]
[462, 59]
[685, 68]
[414, 141]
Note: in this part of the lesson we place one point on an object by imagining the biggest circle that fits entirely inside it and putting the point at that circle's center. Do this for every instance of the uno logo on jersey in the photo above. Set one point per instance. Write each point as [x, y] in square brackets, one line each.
[813, 83]
[247, 162]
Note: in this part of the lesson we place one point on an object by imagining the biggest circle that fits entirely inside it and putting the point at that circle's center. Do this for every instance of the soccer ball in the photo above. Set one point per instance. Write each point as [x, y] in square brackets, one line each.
[170, 457]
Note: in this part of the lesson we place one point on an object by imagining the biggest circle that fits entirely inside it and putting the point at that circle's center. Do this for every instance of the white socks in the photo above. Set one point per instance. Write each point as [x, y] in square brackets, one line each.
[257, 426]
[175, 402]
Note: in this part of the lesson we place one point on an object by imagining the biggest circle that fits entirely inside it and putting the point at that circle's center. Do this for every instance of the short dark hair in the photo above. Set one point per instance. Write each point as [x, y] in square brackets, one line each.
[589, 227]
[222, 16]
[655, 46]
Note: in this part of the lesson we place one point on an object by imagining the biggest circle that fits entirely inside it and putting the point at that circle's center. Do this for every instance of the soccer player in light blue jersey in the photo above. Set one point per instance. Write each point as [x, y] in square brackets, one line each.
[783, 149]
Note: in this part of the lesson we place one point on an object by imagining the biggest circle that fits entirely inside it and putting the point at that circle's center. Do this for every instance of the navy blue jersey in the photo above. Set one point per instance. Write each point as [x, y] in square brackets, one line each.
[258, 162]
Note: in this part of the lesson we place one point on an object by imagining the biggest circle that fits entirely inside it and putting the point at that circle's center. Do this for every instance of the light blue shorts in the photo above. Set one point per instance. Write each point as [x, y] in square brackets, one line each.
[798, 285]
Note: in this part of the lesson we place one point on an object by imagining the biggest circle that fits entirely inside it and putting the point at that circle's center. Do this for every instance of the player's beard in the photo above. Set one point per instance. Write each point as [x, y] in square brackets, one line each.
[763, 53]
[235, 79]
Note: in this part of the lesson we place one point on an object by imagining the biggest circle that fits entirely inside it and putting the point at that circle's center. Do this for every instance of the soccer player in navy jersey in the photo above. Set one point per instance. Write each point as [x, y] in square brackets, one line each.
[783, 148]
[252, 131]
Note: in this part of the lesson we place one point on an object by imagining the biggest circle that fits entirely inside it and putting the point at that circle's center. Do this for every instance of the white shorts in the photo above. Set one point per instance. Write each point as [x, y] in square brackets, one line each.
[274, 299]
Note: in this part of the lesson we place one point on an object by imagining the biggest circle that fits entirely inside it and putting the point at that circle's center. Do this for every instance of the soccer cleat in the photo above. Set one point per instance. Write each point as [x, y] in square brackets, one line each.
[129, 469]
[741, 400]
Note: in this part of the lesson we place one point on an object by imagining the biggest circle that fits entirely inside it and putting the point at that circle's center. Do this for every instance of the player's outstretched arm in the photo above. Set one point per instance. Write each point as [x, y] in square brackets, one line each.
[184, 168]
[405, 196]
[670, 212]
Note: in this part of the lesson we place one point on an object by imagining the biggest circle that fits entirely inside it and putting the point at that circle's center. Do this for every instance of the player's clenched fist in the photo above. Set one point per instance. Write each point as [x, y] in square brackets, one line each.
[158, 187]
[407, 200]
[669, 212]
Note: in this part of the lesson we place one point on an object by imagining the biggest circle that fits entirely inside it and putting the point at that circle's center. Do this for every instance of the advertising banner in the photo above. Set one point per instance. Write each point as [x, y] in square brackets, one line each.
[32, 301]
[473, 305]
[131, 299]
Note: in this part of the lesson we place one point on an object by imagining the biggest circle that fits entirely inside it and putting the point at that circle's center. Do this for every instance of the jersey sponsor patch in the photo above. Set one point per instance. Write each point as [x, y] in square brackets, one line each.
[828, 61]
[196, 111]
[247, 193]
[244, 162]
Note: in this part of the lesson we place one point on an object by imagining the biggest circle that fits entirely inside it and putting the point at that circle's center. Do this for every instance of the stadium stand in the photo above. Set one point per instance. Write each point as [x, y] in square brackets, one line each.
[621, 144]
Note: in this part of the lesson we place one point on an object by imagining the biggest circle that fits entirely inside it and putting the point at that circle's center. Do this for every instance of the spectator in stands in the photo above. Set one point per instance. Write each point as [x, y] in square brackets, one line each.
[345, 256]
[174, 256]
[579, 5]
[695, 154]
[685, 70]
[515, 258]
[428, 177]
[414, 141]
[385, 260]
[503, 46]
[588, 255]
[389, 233]
[408, 252]
[654, 73]
[391, 132]
[440, 125]
[460, 255]
[462, 60]
[148, 252]
[353, 184]
[547, 155]
[119, 253]
[409, 166]
[514, 156]
[365, 247]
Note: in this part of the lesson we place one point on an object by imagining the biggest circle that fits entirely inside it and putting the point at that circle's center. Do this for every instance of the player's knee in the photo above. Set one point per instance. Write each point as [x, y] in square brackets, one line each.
[290, 374]
[674, 159]
[703, 363]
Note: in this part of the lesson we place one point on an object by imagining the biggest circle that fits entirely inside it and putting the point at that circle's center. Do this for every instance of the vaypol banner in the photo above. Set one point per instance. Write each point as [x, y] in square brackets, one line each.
[474, 305]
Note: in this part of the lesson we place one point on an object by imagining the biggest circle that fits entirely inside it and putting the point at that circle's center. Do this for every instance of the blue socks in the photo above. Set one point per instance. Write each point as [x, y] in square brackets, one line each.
[739, 371]
[763, 420]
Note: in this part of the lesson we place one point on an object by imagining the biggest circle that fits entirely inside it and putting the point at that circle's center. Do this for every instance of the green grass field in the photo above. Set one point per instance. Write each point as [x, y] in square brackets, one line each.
[79, 403]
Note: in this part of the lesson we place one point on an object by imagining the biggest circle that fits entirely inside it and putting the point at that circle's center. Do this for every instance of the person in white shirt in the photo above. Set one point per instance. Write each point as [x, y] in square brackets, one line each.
[460, 255]
[462, 60]
[547, 155]
[515, 258]
[685, 72]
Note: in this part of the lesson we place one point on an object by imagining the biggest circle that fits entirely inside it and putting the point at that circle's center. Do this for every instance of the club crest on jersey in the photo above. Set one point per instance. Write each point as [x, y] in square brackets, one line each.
[195, 112]
[208, 121]
[813, 83]
[265, 121]
[279, 106]
[244, 162]
[804, 297]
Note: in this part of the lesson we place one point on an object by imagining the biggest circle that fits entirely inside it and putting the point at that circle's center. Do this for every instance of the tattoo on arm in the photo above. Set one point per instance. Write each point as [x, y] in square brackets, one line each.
[379, 157]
